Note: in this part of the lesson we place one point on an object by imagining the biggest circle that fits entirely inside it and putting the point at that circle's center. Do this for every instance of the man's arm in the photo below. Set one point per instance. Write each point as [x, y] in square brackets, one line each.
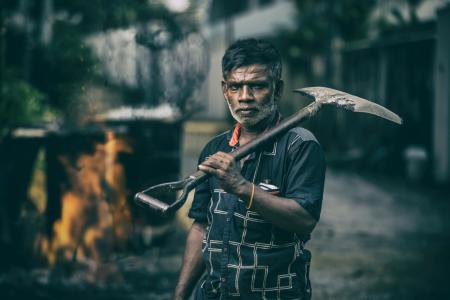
[285, 213]
[193, 266]
[282, 212]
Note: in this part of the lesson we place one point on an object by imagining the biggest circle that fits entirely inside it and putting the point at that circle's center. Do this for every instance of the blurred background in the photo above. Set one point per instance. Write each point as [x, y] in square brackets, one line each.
[101, 99]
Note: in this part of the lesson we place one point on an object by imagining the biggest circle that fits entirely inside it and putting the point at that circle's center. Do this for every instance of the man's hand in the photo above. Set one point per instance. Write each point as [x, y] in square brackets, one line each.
[226, 170]
[193, 265]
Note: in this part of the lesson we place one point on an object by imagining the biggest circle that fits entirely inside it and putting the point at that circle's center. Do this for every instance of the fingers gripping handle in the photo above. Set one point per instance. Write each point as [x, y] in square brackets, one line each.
[151, 202]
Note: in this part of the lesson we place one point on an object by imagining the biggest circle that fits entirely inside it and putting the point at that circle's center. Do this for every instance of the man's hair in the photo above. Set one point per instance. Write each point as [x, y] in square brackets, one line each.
[252, 51]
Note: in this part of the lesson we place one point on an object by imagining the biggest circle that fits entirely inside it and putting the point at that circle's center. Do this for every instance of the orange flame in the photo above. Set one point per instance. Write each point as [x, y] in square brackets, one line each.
[95, 219]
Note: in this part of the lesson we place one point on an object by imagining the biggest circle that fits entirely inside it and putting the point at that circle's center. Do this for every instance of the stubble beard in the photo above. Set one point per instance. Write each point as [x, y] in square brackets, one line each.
[264, 113]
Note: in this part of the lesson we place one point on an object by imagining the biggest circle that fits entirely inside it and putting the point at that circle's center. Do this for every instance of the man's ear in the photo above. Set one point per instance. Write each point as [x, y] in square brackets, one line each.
[279, 86]
[224, 89]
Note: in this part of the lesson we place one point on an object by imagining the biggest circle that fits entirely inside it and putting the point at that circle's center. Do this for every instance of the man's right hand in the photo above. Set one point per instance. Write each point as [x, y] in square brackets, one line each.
[223, 166]
[193, 266]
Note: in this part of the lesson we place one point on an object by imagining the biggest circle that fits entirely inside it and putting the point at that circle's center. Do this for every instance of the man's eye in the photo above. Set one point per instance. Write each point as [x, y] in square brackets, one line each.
[233, 87]
[258, 86]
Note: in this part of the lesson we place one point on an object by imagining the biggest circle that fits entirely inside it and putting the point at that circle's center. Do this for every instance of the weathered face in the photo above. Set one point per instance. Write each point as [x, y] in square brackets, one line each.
[251, 95]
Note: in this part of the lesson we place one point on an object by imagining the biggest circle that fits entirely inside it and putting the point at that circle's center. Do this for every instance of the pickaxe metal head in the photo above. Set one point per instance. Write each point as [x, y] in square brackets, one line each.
[341, 99]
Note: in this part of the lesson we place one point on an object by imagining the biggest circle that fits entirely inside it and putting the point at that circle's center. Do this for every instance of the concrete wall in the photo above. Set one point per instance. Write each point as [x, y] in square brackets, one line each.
[214, 105]
[265, 21]
[442, 99]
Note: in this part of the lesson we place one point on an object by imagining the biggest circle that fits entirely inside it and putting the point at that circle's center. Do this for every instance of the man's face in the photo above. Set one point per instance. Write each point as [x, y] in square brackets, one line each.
[251, 95]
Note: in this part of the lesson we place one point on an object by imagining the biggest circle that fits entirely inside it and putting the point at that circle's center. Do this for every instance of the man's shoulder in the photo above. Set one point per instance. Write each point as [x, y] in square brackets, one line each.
[299, 135]
[217, 143]
[218, 139]
[303, 134]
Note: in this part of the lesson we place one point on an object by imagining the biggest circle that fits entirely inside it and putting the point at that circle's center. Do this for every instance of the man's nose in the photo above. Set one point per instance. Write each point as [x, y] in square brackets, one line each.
[246, 93]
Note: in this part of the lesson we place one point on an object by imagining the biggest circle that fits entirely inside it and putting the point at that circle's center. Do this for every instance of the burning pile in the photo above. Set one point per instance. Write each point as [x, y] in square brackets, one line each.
[95, 217]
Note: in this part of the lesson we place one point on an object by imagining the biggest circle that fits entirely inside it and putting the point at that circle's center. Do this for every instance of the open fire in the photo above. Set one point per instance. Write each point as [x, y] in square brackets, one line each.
[95, 216]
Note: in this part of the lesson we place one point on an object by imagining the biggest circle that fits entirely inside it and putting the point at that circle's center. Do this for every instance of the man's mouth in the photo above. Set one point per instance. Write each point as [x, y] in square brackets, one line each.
[246, 111]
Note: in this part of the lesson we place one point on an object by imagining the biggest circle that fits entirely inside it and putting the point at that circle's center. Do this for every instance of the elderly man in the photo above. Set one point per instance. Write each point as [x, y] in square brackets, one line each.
[252, 219]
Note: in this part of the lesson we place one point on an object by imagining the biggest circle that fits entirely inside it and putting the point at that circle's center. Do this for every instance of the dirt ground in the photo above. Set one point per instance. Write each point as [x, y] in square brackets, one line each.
[377, 239]
[380, 239]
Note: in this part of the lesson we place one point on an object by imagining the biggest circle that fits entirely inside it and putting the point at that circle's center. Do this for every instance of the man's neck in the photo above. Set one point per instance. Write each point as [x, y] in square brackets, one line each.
[249, 133]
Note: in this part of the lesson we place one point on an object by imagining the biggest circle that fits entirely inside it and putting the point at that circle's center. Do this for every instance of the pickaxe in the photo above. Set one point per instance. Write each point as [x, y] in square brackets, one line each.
[158, 197]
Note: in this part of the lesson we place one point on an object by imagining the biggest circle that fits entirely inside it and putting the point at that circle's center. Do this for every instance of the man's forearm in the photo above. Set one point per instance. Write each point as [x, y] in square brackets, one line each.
[193, 265]
[284, 212]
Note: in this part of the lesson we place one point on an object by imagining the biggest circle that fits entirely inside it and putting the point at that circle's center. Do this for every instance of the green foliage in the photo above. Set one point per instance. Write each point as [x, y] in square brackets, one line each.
[102, 15]
[106, 14]
[22, 104]
[62, 68]
[56, 72]
[407, 24]
[352, 18]
[320, 21]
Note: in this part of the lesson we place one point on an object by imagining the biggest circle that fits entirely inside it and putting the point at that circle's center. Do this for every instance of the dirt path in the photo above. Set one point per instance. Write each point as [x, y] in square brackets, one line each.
[380, 240]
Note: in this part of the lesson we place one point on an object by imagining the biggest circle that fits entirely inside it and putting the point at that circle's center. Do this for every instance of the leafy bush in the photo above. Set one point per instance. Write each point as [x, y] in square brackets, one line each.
[22, 104]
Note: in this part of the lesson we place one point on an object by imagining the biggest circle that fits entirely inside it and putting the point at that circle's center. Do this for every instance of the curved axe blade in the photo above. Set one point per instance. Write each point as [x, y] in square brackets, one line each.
[337, 98]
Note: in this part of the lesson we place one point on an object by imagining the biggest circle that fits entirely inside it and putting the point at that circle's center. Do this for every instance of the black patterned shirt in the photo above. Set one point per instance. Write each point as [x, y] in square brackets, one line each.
[247, 257]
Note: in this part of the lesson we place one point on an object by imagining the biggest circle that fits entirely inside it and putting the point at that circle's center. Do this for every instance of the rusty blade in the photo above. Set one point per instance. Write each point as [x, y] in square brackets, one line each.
[350, 102]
